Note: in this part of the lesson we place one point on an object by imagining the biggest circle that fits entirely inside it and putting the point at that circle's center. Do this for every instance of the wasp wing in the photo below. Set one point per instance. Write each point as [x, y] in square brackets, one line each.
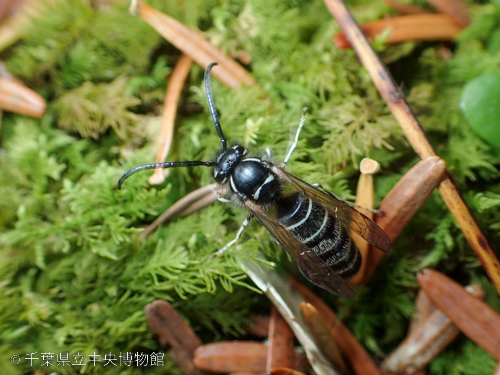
[310, 265]
[347, 216]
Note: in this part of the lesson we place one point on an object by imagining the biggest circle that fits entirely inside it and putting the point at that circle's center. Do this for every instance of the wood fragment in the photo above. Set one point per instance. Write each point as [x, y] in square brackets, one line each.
[194, 45]
[8, 7]
[425, 341]
[284, 371]
[473, 317]
[369, 167]
[174, 89]
[476, 291]
[280, 351]
[173, 331]
[201, 203]
[423, 309]
[285, 296]
[404, 201]
[235, 356]
[406, 8]
[259, 326]
[416, 27]
[456, 9]
[194, 200]
[17, 20]
[4, 72]
[16, 97]
[323, 336]
[14, 26]
[358, 359]
[416, 136]
[365, 197]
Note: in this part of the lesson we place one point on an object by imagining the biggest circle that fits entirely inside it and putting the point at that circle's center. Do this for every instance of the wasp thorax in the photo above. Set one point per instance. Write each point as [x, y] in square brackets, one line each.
[252, 179]
[227, 161]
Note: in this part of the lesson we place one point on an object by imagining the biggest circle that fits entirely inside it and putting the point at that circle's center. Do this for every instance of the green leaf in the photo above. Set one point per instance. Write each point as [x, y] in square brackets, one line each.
[480, 105]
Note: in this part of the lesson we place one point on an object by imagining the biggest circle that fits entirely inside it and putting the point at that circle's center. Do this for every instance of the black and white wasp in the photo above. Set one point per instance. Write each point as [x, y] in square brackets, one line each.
[309, 222]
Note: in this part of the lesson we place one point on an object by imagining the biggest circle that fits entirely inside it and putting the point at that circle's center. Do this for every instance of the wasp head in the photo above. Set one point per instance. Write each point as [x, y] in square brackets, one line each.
[227, 161]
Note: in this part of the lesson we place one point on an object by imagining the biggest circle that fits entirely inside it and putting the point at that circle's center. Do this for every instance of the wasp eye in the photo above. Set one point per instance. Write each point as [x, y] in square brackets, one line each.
[219, 177]
[239, 149]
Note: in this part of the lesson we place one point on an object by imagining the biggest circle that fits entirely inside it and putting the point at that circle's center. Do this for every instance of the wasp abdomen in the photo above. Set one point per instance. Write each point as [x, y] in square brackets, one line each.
[320, 231]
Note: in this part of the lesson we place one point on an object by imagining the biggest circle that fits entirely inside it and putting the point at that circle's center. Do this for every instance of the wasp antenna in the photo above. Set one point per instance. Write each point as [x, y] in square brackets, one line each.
[174, 164]
[211, 105]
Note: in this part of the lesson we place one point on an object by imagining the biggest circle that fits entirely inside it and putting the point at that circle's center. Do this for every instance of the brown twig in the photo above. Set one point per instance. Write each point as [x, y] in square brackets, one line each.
[259, 326]
[365, 198]
[323, 336]
[13, 26]
[456, 9]
[15, 97]
[286, 298]
[404, 201]
[280, 352]
[193, 45]
[235, 356]
[172, 96]
[423, 309]
[174, 332]
[359, 360]
[417, 27]
[284, 371]
[416, 136]
[201, 203]
[8, 7]
[425, 341]
[473, 317]
[406, 8]
[193, 201]
[4, 72]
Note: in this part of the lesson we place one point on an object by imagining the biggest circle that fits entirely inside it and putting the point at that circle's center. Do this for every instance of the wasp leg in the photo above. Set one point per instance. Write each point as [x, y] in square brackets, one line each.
[220, 198]
[294, 144]
[373, 210]
[232, 242]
